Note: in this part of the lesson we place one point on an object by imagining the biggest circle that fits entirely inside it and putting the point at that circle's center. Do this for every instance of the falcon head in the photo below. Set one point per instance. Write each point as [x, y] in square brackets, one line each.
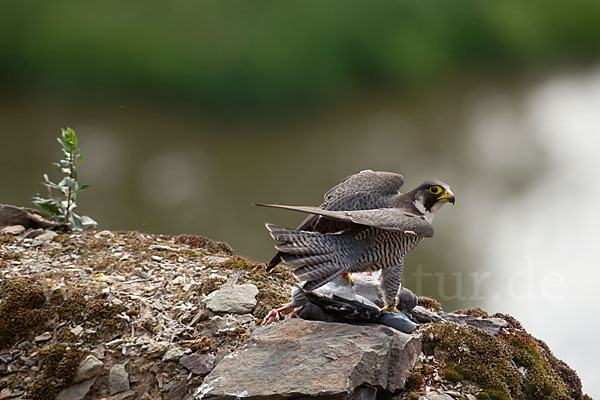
[430, 196]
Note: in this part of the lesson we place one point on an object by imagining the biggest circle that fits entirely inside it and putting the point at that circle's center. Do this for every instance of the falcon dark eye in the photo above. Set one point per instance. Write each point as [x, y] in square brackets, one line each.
[435, 190]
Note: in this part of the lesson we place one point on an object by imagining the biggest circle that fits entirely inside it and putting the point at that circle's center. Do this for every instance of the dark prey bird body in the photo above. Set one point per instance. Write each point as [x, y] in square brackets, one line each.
[340, 309]
[364, 224]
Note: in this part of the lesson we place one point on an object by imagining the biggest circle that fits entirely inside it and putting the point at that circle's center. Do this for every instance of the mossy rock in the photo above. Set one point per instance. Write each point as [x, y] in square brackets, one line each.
[22, 310]
[510, 366]
[453, 375]
[60, 362]
[41, 389]
[415, 381]
[429, 303]
[201, 242]
[474, 355]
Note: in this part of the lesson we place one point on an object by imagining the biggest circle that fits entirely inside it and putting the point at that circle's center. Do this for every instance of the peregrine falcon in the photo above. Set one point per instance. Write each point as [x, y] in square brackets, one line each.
[364, 224]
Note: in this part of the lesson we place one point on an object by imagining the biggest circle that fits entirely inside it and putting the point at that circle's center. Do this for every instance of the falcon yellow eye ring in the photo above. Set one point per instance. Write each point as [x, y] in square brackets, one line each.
[435, 190]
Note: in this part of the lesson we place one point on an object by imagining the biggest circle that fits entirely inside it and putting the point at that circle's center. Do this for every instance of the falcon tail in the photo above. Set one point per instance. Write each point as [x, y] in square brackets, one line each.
[319, 257]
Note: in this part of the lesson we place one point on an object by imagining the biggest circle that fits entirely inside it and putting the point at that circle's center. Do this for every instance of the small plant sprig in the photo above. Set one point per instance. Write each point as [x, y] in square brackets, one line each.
[60, 207]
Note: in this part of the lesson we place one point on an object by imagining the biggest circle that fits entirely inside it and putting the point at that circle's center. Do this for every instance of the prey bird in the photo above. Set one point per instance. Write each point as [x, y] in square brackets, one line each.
[364, 224]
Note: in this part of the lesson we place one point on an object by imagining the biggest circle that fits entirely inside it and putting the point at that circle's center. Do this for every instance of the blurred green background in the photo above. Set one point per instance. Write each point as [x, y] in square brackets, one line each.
[188, 112]
[237, 58]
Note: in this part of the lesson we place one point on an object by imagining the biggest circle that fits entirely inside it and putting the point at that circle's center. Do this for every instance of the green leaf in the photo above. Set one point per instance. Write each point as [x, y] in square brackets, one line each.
[75, 221]
[67, 182]
[78, 159]
[70, 139]
[51, 185]
[83, 187]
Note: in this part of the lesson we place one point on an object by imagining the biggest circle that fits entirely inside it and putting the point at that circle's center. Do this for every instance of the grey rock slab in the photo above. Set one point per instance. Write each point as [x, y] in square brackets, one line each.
[156, 349]
[435, 396]
[89, 368]
[33, 233]
[76, 392]
[43, 337]
[424, 315]
[222, 325]
[178, 391]
[5, 393]
[174, 353]
[28, 217]
[198, 364]
[214, 259]
[363, 393]
[489, 325]
[123, 395]
[298, 358]
[13, 230]
[239, 299]
[453, 393]
[77, 331]
[118, 379]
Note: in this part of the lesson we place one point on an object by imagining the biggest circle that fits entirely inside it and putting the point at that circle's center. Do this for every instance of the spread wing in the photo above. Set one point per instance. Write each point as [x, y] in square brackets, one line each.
[392, 219]
[365, 190]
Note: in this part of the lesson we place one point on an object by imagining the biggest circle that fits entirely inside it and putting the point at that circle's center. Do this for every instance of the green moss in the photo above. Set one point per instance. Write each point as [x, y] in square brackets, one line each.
[476, 355]
[495, 394]
[63, 237]
[60, 362]
[41, 389]
[474, 312]
[483, 396]
[21, 310]
[453, 375]
[540, 381]
[188, 253]
[414, 381]
[237, 262]
[430, 304]
[267, 298]
[210, 285]
[412, 396]
[205, 243]
[493, 362]
[132, 313]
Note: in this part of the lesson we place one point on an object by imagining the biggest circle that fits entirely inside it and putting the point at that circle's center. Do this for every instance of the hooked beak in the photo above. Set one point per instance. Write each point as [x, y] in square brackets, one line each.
[447, 197]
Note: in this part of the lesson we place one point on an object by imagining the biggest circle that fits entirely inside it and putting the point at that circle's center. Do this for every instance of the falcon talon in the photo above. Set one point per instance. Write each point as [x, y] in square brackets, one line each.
[348, 277]
[291, 315]
[364, 224]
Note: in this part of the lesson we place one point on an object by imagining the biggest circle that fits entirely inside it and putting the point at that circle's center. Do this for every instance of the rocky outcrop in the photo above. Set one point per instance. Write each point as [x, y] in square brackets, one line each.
[125, 315]
[27, 218]
[307, 358]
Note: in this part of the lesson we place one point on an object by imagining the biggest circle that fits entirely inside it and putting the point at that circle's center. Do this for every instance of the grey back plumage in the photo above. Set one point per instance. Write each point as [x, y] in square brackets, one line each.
[362, 191]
